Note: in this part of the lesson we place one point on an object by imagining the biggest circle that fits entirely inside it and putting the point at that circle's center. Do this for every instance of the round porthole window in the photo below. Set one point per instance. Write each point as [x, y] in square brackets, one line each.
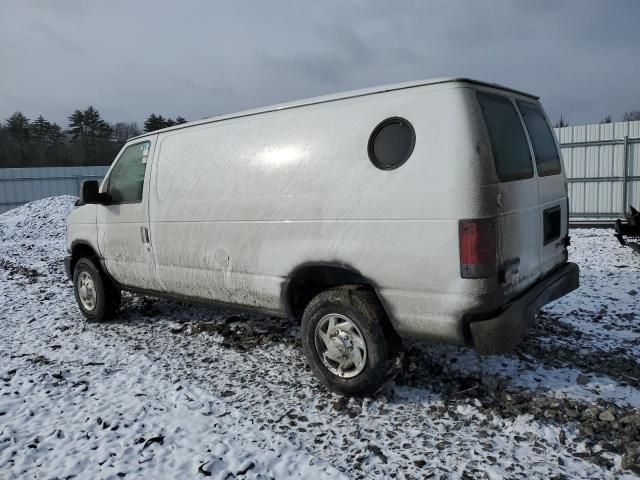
[391, 143]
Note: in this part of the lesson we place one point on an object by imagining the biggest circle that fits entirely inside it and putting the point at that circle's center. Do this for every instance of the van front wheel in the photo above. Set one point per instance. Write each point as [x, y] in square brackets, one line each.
[97, 298]
[348, 341]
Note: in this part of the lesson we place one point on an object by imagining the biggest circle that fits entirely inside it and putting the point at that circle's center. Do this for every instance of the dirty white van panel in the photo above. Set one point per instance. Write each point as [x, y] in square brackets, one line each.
[434, 210]
[235, 214]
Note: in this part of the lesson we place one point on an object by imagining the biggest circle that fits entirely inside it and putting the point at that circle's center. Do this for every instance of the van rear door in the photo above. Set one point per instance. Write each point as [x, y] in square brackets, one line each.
[552, 193]
[519, 220]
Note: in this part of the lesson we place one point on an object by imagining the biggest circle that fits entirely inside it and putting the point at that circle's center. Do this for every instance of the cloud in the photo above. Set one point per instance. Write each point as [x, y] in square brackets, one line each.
[198, 58]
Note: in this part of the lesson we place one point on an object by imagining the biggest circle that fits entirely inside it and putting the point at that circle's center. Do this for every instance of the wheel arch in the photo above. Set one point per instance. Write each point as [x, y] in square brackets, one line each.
[309, 279]
[81, 249]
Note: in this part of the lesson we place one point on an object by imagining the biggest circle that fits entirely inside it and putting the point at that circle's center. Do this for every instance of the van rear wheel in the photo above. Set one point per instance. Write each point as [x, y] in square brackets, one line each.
[348, 341]
[97, 297]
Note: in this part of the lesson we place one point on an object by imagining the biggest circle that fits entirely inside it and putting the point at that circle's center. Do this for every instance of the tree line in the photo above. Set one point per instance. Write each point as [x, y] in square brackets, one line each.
[87, 140]
[90, 140]
[626, 117]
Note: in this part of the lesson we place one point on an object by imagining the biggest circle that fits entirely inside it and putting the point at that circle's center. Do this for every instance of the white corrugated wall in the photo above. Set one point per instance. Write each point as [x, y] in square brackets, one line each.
[21, 185]
[602, 162]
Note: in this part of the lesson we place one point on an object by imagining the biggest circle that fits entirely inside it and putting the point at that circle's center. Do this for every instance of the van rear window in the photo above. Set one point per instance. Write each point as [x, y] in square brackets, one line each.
[544, 145]
[508, 140]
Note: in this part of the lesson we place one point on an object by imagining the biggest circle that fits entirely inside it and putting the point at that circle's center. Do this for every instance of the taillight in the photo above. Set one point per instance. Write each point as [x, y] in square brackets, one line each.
[477, 248]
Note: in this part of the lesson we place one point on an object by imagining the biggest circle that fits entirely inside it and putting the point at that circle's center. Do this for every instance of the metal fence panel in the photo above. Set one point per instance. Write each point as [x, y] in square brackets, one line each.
[21, 185]
[602, 162]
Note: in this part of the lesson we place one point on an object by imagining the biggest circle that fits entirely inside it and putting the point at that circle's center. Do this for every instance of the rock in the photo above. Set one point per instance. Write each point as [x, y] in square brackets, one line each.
[377, 451]
[571, 413]
[587, 430]
[632, 292]
[590, 412]
[177, 327]
[633, 419]
[202, 470]
[626, 461]
[607, 416]
[583, 379]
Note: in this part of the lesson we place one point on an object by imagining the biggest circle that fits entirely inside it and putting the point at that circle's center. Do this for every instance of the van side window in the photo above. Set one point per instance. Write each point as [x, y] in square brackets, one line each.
[127, 177]
[391, 143]
[544, 145]
[508, 141]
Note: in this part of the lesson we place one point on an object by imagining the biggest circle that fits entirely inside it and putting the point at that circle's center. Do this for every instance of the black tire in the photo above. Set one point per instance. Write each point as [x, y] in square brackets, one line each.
[107, 295]
[383, 346]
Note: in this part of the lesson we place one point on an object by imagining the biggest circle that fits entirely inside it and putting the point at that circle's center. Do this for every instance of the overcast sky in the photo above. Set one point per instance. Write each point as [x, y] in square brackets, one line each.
[201, 58]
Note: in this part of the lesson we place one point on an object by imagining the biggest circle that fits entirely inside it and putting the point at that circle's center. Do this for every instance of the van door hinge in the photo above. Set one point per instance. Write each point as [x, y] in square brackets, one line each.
[499, 199]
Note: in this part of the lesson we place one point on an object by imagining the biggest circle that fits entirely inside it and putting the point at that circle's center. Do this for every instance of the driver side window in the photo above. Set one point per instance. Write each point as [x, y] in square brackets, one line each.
[127, 177]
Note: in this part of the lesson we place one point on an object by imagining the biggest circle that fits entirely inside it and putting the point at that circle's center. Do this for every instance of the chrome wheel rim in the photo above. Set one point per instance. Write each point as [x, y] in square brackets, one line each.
[86, 291]
[340, 345]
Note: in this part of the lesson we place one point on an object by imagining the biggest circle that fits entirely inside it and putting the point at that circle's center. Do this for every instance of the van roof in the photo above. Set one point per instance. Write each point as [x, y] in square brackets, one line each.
[337, 96]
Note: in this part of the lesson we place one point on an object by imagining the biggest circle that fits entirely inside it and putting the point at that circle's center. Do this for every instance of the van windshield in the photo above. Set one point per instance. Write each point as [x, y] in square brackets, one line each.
[544, 145]
[508, 141]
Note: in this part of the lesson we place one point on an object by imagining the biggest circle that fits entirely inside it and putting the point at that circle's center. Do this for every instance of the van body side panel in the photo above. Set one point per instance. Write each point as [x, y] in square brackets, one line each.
[237, 206]
[81, 227]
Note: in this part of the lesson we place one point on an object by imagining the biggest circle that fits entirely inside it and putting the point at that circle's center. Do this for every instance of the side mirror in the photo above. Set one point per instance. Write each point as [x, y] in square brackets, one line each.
[89, 192]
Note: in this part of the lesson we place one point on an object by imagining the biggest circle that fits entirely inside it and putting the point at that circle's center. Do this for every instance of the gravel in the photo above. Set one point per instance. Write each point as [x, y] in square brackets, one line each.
[175, 390]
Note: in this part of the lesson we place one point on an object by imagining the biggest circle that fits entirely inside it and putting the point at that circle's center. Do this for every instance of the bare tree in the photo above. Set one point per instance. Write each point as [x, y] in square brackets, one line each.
[561, 123]
[630, 116]
[123, 131]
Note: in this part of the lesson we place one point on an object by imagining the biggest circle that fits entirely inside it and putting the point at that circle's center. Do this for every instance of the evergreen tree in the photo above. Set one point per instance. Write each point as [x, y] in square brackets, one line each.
[40, 129]
[18, 126]
[78, 132]
[94, 134]
[54, 143]
[97, 128]
[154, 122]
[19, 129]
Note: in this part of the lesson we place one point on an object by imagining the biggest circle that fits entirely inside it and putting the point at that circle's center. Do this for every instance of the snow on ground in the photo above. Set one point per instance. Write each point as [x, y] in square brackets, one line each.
[172, 390]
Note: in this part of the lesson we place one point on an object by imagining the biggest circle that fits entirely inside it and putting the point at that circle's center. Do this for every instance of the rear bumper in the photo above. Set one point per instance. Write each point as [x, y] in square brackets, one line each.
[501, 333]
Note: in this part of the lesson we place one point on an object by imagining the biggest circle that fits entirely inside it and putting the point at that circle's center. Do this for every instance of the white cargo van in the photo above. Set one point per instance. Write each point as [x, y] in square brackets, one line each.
[435, 210]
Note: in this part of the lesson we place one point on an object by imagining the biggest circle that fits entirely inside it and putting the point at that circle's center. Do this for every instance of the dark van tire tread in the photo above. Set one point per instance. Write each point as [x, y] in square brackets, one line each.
[384, 347]
[108, 296]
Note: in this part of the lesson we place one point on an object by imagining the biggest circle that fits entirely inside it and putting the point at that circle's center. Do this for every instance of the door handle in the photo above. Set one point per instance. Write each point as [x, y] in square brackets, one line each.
[144, 234]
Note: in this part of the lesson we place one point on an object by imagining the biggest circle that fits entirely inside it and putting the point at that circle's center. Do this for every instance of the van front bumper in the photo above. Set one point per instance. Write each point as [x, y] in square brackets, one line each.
[67, 267]
[501, 333]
